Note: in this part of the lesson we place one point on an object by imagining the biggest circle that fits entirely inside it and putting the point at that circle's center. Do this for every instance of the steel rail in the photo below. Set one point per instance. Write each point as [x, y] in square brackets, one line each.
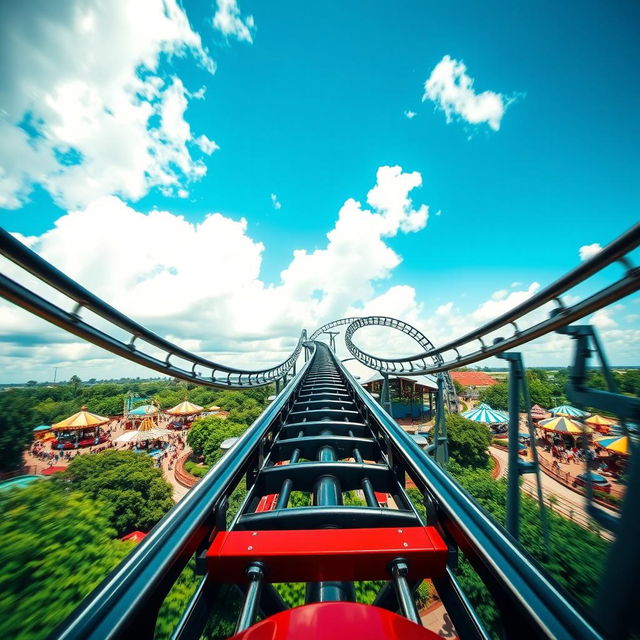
[515, 581]
[30, 301]
[564, 316]
[21, 255]
[129, 597]
[613, 252]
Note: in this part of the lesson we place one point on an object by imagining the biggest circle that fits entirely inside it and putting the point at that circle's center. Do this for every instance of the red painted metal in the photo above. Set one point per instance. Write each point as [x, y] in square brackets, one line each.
[267, 503]
[382, 498]
[312, 555]
[336, 621]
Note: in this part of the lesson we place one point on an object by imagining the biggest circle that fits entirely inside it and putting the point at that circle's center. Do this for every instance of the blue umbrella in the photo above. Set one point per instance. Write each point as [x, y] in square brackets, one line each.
[485, 414]
[567, 410]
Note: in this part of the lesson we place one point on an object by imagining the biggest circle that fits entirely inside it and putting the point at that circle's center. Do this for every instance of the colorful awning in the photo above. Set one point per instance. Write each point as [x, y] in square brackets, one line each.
[185, 408]
[484, 413]
[567, 410]
[615, 444]
[597, 420]
[81, 420]
[562, 424]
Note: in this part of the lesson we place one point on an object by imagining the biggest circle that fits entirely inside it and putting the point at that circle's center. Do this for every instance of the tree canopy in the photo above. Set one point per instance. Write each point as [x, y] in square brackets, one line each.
[134, 493]
[56, 546]
[207, 434]
[468, 441]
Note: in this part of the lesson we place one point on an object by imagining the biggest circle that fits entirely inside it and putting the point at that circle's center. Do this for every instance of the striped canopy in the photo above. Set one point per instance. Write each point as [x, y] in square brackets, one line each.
[81, 420]
[537, 410]
[561, 424]
[567, 410]
[483, 405]
[484, 413]
[185, 408]
[144, 410]
[599, 421]
[616, 444]
[147, 431]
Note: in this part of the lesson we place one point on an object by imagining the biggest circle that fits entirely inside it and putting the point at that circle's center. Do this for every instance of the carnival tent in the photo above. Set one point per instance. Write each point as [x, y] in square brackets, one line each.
[484, 413]
[538, 413]
[568, 410]
[144, 410]
[80, 420]
[185, 408]
[562, 424]
[147, 431]
[615, 444]
[597, 420]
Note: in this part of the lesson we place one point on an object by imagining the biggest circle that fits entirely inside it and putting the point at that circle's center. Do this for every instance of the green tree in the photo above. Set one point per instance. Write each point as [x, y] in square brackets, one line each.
[55, 547]
[16, 432]
[207, 434]
[496, 396]
[133, 491]
[468, 441]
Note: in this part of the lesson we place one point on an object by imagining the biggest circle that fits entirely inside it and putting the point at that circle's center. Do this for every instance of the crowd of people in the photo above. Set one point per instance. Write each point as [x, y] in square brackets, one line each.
[171, 447]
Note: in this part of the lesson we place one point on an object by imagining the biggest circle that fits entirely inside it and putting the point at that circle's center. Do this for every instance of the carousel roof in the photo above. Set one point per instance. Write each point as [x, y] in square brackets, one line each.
[568, 410]
[561, 424]
[616, 444]
[600, 421]
[185, 408]
[484, 413]
[81, 420]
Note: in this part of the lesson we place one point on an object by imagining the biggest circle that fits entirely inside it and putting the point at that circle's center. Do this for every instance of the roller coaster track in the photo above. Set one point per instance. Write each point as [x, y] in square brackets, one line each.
[325, 436]
[388, 366]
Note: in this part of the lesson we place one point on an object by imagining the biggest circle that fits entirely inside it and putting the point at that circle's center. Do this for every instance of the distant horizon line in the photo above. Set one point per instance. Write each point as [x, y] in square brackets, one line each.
[94, 381]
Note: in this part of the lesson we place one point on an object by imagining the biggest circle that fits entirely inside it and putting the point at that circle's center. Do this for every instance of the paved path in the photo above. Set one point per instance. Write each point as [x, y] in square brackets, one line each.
[438, 621]
[549, 487]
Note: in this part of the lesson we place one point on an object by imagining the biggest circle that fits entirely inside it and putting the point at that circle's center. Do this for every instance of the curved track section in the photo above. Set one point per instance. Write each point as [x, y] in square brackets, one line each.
[202, 371]
[389, 365]
[560, 317]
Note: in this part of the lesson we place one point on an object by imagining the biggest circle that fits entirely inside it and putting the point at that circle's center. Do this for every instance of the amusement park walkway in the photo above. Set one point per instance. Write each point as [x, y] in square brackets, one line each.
[566, 497]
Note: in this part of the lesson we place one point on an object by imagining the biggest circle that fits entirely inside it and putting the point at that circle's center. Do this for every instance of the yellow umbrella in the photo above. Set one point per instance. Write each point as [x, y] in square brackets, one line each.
[564, 425]
[617, 444]
[81, 420]
[185, 408]
[599, 421]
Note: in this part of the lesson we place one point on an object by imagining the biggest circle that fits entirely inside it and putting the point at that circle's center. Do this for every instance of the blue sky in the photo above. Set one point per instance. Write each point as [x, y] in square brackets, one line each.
[307, 102]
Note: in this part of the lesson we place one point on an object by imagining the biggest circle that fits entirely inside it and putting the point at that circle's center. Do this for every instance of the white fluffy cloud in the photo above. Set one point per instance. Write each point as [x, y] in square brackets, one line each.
[202, 281]
[86, 112]
[451, 89]
[589, 250]
[228, 20]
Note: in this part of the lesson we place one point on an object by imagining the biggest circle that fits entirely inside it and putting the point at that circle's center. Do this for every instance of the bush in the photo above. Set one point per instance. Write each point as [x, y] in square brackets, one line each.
[56, 546]
[133, 491]
[195, 469]
[207, 434]
[468, 441]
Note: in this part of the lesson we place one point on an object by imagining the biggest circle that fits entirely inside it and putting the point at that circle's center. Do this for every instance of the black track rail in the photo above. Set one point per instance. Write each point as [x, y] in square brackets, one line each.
[326, 456]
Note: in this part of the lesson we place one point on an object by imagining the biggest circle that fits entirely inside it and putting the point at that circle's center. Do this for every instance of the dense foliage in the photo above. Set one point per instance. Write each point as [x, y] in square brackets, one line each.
[548, 388]
[55, 547]
[133, 491]
[575, 558]
[468, 441]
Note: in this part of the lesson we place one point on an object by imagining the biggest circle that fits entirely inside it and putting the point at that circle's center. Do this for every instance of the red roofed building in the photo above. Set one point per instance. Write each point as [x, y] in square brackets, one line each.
[472, 381]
